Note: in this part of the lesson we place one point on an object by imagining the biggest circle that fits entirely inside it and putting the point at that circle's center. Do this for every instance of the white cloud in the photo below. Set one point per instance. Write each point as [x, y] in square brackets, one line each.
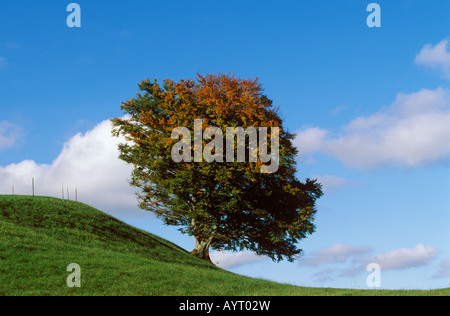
[331, 184]
[310, 140]
[338, 253]
[444, 271]
[404, 258]
[348, 261]
[325, 275]
[436, 57]
[414, 130]
[225, 259]
[88, 162]
[9, 134]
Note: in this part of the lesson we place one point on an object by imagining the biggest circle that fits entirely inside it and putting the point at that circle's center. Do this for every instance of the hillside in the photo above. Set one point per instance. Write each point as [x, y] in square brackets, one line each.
[40, 237]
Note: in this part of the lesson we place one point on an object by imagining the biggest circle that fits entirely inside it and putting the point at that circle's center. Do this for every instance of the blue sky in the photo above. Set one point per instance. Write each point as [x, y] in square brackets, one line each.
[371, 107]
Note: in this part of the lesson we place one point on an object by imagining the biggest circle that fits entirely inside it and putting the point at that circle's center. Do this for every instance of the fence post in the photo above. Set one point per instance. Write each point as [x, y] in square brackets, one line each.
[32, 184]
[68, 196]
[62, 190]
[76, 194]
[13, 189]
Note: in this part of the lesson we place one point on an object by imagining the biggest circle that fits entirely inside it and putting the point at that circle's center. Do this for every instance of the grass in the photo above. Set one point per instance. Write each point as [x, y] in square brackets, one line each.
[40, 237]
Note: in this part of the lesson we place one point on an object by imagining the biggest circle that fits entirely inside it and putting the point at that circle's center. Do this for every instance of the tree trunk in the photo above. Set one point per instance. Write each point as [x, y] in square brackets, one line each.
[202, 245]
[201, 249]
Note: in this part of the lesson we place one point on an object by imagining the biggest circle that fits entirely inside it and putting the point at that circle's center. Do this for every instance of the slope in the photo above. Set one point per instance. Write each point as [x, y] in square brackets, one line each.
[41, 236]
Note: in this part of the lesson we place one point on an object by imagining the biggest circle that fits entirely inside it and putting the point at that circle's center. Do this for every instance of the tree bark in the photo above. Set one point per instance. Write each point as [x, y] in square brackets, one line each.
[201, 249]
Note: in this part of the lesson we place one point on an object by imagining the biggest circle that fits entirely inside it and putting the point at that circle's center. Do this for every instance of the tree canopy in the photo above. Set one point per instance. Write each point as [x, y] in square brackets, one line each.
[224, 203]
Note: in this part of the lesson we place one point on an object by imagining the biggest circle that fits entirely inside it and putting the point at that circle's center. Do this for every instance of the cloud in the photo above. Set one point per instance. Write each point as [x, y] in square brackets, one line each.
[331, 184]
[337, 110]
[225, 259]
[311, 139]
[436, 57]
[9, 134]
[404, 258]
[413, 131]
[343, 260]
[88, 162]
[324, 275]
[338, 253]
[444, 271]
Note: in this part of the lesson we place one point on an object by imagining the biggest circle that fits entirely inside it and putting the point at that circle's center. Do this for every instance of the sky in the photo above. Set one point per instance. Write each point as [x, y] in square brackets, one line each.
[370, 107]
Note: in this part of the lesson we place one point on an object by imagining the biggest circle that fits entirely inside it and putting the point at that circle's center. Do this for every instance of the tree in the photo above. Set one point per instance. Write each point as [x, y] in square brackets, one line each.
[225, 204]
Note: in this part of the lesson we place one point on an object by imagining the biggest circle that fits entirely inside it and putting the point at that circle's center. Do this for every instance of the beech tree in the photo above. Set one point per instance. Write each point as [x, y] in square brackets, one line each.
[226, 204]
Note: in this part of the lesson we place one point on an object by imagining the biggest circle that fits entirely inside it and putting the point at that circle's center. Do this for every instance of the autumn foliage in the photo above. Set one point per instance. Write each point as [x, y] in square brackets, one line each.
[224, 205]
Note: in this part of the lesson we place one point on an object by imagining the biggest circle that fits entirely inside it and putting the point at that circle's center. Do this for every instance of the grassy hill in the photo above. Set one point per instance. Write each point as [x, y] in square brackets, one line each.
[40, 237]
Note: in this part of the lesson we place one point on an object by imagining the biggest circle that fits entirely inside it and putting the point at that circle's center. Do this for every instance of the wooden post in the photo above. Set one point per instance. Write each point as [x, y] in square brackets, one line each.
[76, 194]
[68, 197]
[62, 189]
[32, 184]
[13, 189]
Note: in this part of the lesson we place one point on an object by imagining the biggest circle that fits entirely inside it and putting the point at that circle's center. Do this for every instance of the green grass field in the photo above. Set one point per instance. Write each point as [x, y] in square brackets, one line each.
[40, 237]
